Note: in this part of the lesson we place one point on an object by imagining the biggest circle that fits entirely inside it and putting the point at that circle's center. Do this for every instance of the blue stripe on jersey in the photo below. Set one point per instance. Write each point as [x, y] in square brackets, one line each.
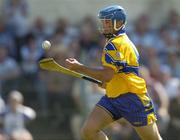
[110, 60]
[110, 47]
[120, 63]
[130, 69]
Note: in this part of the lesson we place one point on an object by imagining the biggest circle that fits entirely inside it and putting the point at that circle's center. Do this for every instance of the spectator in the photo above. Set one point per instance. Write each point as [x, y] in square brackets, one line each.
[154, 68]
[88, 34]
[16, 13]
[9, 70]
[174, 125]
[7, 39]
[173, 25]
[62, 33]
[16, 115]
[16, 17]
[176, 68]
[143, 37]
[30, 54]
[40, 31]
[170, 83]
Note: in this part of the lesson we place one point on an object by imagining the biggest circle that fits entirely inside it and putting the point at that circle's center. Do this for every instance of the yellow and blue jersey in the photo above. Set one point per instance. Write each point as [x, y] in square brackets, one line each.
[126, 93]
[120, 54]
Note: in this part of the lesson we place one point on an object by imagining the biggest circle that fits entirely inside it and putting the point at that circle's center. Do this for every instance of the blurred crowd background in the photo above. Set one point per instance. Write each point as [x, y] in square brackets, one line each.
[41, 105]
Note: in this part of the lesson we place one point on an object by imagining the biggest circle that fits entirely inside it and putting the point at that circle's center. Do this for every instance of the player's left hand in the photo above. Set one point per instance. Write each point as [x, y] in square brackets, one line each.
[72, 63]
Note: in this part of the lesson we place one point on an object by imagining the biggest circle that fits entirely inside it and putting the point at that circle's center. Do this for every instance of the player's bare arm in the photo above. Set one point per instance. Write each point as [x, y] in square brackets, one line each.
[103, 74]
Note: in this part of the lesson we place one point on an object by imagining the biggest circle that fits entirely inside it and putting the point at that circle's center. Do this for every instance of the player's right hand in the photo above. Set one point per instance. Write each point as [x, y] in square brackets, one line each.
[72, 63]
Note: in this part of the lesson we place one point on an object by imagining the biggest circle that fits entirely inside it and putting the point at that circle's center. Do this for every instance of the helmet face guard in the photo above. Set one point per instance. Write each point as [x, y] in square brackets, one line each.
[106, 26]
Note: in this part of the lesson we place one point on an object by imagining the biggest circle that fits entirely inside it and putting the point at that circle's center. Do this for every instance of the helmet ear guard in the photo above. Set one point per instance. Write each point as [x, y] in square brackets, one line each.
[115, 25]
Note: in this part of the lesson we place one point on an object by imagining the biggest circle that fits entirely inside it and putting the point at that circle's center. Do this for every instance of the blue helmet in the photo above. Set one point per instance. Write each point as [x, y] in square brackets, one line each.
[113, 13]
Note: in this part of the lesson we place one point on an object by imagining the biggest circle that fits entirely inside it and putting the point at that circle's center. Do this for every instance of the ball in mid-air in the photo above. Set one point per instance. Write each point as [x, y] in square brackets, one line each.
[46, 45]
